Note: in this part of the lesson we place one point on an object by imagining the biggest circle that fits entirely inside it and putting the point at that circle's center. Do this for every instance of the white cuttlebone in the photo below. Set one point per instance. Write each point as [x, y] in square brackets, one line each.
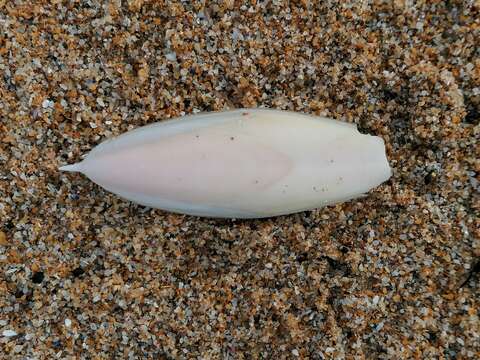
[246, 163]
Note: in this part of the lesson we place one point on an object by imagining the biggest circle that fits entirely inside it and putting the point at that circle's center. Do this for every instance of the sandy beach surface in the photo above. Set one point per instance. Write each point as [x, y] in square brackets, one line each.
[87, 275]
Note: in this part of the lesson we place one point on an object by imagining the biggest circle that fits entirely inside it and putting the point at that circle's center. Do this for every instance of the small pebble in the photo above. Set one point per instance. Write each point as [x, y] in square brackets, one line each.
[9, 333]
[38, 277]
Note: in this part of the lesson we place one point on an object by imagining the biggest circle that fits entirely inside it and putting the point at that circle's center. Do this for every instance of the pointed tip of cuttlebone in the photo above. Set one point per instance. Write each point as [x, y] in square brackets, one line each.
[72, 168]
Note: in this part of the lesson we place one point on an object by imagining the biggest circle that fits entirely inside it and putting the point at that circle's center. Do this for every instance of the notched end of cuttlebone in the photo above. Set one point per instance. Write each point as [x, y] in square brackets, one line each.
[71, 168]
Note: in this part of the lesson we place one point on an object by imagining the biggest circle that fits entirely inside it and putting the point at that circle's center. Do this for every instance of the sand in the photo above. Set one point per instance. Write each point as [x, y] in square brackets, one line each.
[87, 275]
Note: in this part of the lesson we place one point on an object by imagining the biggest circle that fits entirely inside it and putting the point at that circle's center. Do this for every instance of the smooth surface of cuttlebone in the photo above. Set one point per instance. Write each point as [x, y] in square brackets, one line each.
[246, 163]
